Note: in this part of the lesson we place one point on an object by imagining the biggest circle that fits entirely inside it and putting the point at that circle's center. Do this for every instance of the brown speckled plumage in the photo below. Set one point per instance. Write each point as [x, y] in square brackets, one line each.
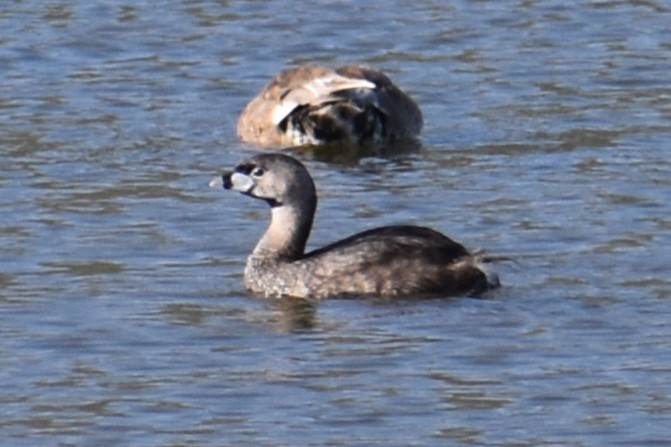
[314, 105]
[386, 261]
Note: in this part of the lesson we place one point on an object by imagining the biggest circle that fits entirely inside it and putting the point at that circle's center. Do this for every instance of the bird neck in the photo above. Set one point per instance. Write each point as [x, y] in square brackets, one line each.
[288, 232]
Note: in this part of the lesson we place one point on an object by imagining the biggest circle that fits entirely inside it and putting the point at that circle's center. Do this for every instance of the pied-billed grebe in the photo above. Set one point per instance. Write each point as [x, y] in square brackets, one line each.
[386, 261]
[314, 105]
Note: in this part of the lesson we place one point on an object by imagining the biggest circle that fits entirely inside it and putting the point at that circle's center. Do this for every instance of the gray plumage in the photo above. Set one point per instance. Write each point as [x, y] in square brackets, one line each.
[386, 261]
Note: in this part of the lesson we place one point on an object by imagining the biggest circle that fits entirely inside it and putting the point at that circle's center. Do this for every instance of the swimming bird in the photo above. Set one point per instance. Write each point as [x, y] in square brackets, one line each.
[315, 105]
[392, 261]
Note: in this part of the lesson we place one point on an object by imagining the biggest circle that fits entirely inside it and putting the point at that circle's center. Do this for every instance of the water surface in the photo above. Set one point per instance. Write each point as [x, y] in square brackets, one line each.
[124, 320]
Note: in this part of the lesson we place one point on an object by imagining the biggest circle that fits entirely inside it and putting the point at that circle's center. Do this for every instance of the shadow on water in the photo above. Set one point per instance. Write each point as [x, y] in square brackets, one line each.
[294, 314]
[286, 315]
[350, 155]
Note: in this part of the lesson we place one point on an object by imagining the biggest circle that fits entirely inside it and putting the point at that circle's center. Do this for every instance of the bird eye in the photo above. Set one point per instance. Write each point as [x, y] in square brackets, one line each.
[258, 172]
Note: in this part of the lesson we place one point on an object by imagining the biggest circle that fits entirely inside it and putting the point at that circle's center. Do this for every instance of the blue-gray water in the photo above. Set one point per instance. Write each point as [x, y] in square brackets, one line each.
[123, 317]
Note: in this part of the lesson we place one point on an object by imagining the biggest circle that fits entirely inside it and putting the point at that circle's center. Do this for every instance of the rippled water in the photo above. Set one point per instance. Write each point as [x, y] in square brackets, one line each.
[124, 321]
